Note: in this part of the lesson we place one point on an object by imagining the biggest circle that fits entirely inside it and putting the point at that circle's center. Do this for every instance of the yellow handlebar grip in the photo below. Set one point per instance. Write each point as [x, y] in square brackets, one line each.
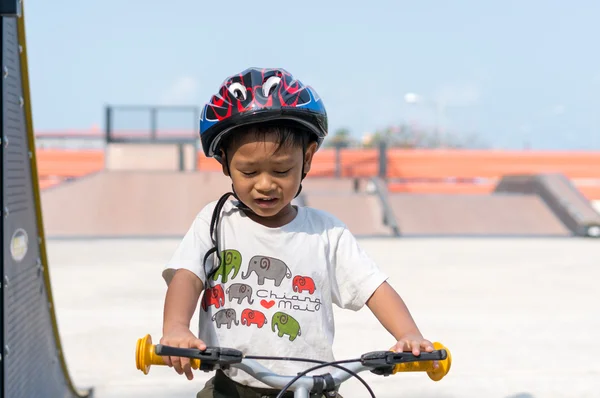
[145, 356]
[427, 366]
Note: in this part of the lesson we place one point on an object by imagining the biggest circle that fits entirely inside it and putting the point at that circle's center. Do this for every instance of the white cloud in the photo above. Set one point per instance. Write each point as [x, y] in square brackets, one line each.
[183, 91]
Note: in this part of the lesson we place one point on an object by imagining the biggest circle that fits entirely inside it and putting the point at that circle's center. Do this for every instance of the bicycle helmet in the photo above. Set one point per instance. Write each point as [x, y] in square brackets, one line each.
[261, 95]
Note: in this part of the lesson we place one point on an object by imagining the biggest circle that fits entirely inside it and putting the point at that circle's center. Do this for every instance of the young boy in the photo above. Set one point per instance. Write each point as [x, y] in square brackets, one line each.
[271, 271]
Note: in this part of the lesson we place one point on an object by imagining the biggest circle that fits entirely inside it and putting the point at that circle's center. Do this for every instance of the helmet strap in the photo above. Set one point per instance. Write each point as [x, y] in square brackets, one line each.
[241, 205]
[303, 173]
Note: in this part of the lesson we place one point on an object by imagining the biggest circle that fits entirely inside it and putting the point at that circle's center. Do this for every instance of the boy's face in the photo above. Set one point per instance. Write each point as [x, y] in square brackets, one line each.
[267, 177]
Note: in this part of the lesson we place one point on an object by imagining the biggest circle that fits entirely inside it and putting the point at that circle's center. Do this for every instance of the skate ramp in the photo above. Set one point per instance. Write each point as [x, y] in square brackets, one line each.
[520, 205]
[164, 203]
[561, 196]
[130, 203]
[475, 215]
[33, 364]
[348, 200]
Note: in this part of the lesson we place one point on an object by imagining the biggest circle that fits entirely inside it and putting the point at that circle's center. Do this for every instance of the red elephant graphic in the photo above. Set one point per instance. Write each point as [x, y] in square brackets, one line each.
[302, 283]
[213, 296]
[250, 317]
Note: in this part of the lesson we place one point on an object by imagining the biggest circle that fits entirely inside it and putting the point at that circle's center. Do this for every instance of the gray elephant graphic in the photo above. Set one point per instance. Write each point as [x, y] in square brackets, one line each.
[268, 268]
[225, 316]
[240, 291]
[285, 324]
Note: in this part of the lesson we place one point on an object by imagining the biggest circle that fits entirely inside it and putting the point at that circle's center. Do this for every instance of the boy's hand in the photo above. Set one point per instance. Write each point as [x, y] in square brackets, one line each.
[183, 338]
[414, 344]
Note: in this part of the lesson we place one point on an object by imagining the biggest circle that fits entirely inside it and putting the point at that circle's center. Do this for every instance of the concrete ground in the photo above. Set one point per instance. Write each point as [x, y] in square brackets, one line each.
[520, 317]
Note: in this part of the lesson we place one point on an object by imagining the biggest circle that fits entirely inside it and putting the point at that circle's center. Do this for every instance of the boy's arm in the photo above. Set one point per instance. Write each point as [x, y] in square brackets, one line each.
[180, 304]
[181, 300]
[391, 311]
[356, 276]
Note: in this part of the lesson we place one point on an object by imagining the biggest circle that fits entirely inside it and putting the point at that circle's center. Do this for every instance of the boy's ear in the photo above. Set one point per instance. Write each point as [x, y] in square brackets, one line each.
[308, 156]
[221, 159]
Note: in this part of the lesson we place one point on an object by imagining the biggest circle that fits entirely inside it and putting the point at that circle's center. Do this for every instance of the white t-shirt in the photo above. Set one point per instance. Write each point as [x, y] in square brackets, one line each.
[280, 284]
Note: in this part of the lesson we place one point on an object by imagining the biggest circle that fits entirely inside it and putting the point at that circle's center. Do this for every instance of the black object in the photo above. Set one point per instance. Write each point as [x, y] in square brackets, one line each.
[383, 362]
[323, 384]
[210, 357]
[10, 8]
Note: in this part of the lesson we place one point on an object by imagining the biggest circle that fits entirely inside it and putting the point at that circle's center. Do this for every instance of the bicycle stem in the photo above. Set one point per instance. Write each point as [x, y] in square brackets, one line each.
[301, 392]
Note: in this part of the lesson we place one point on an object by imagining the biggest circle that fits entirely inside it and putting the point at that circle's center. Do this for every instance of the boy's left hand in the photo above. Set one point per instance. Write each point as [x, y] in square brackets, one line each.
[412, 343]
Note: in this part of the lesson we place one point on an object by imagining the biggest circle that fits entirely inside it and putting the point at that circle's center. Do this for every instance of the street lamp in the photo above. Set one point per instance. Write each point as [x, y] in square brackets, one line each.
[411, 98]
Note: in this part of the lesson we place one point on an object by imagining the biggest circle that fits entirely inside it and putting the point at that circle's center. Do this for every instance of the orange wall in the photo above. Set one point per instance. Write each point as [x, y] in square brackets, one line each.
[460, 163]
[431, 171]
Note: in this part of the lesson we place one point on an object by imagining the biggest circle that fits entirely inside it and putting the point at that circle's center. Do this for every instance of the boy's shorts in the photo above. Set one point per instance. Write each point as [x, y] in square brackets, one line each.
[221, 386]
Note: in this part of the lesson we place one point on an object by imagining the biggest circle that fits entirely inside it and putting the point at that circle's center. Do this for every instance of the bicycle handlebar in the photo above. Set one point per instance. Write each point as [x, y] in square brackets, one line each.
[145, 356]
[378, 362]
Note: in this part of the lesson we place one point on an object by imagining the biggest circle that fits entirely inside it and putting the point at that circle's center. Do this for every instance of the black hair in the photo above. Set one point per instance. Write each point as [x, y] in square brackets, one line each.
[288, 136]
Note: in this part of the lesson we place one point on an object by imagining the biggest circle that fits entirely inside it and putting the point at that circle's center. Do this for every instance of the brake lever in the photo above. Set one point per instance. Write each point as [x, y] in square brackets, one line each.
[209, 358]
[383, 362]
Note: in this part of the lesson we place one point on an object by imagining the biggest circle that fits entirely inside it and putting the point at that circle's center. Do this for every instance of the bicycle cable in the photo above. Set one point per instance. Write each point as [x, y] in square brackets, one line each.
[324, 363]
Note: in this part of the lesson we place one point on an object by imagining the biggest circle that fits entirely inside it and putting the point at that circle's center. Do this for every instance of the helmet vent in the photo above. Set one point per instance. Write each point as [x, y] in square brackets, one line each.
[238, 90]
[270, 84]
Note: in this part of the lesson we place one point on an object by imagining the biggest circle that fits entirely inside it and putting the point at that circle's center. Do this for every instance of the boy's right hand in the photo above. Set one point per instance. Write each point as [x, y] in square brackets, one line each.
[183, 338]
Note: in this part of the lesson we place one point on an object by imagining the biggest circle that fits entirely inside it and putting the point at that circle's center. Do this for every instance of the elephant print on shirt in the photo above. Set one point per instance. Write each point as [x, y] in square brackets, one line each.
[302, 283]
[230, 260]
[240, 291]
[267, 268]
[250, 317]
[285, 325]
[213, 296]
[225, 316]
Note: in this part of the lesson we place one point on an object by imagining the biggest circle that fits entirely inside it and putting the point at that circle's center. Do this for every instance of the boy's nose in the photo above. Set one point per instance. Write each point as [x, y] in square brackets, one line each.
[264, 183]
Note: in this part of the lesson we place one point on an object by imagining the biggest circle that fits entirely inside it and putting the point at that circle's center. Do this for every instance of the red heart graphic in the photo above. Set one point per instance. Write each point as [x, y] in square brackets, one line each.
[267, 304]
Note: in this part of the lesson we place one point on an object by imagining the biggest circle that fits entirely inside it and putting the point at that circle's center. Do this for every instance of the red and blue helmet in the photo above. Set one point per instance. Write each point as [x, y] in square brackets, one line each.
[261, 95]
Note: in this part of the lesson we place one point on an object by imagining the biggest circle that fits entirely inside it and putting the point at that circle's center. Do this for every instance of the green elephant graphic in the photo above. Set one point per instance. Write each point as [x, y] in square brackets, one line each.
[286, 325]
[230, 260]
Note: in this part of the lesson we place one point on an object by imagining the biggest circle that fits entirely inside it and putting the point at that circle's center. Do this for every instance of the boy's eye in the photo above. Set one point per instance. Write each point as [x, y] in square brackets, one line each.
[283, 172]
[247, 173]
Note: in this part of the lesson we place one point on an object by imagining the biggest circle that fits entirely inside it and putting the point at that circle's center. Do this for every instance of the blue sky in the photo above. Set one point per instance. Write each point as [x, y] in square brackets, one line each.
[508, 71]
